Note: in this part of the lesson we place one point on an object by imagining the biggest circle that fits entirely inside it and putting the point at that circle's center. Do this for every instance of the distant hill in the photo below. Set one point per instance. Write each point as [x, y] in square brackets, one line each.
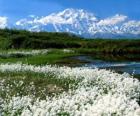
[18, 39]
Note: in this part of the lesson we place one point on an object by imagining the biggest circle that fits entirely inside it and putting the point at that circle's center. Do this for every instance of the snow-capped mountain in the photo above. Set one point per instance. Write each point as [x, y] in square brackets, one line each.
[83, 23]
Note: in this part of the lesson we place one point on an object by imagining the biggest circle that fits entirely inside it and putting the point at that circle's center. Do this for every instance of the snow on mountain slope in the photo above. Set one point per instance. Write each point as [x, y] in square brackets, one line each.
[83, 23]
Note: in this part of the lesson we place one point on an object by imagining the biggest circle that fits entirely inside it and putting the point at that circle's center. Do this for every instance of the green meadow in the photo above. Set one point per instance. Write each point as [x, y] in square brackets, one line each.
[39, 70]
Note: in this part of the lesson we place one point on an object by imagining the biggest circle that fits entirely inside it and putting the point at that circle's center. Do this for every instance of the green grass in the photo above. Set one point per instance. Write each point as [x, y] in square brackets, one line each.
[40, 85]
[33, 84]
[52, 57]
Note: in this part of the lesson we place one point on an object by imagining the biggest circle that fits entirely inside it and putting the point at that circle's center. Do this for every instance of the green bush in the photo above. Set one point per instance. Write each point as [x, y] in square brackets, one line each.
[11, 38]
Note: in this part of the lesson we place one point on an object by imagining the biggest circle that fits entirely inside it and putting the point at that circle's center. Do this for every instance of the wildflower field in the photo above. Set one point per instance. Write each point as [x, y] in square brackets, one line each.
[34, 83]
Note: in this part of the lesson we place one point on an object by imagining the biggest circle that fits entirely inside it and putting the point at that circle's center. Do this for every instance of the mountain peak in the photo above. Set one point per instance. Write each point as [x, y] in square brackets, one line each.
[84, 23]
[72, 10]
[75, 14]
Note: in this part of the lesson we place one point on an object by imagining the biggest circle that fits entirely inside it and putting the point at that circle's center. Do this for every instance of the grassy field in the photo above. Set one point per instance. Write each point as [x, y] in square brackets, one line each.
[36, 57]
[35, 81]
[35, 90]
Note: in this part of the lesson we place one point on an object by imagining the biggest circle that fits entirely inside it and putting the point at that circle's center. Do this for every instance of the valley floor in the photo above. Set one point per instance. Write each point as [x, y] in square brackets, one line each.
[38, 83]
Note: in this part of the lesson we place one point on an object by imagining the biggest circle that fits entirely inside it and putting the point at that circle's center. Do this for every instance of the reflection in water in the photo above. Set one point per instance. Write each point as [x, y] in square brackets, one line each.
[123, 65]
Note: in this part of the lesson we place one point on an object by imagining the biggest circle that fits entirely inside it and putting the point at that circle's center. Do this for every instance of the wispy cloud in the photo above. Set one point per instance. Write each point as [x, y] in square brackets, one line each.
[3, 22]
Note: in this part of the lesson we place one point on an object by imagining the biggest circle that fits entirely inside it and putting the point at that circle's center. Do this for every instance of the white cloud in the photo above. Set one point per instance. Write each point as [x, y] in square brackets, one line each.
[112, 20]
[3, 22]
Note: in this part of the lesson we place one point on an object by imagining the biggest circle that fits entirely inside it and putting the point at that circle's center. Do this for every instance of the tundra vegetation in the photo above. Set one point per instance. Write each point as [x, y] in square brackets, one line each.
[39, 78]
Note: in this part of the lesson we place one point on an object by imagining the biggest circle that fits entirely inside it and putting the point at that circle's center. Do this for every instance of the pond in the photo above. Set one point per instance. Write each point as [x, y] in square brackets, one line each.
[122, 64]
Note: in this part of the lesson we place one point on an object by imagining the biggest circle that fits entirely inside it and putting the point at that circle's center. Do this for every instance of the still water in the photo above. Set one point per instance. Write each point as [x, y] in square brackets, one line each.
[131, 67]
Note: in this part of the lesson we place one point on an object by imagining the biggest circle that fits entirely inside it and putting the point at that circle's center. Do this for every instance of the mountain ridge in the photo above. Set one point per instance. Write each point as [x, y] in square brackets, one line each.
[83, 23]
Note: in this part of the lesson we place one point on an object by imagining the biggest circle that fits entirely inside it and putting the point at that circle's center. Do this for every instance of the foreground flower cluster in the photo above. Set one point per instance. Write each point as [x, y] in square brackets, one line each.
[99, 93]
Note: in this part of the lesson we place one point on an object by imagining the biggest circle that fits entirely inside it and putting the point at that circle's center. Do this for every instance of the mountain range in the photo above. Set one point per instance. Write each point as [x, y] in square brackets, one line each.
[82, 23]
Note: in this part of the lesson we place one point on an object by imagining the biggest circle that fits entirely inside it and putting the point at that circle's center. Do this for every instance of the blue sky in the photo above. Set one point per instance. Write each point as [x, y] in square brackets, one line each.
[17, 9]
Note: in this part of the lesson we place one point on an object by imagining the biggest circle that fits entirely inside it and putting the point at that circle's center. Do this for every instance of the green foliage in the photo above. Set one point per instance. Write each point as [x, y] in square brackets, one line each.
[39, 40]
[24, 39]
